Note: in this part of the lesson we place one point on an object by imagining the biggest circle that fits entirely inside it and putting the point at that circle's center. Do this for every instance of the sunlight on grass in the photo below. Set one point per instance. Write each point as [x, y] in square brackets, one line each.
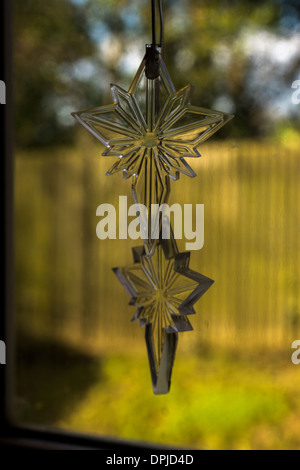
[216, 402]
[202, 413]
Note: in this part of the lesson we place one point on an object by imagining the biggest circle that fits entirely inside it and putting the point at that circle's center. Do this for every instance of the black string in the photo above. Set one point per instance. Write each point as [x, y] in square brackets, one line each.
[152, 69]
[161, 23]
[161, 17]
[154, 22]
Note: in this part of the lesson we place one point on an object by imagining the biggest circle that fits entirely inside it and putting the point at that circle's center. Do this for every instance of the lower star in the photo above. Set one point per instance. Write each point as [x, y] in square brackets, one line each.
[164, 289]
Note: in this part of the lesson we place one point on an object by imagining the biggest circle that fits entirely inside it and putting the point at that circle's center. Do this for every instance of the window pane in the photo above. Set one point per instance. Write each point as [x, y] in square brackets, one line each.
[81, 364]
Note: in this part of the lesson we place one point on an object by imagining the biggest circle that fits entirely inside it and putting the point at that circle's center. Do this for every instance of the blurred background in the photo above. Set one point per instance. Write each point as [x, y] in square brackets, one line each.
[81, 364]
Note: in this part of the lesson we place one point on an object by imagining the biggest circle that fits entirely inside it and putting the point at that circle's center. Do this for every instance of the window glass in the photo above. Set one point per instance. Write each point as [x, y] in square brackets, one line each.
[81, 364]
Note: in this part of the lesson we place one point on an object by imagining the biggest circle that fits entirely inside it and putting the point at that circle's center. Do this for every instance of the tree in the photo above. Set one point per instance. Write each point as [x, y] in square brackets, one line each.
[68, 51]
[47, 37]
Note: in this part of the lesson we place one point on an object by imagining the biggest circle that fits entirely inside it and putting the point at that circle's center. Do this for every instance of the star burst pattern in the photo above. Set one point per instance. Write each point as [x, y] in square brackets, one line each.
[164, 290]
[151, 122]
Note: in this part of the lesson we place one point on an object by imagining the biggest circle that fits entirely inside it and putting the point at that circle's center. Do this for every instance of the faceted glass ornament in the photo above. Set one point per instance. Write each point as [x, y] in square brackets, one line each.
[164, 289]
[151, 129]
[151, 120]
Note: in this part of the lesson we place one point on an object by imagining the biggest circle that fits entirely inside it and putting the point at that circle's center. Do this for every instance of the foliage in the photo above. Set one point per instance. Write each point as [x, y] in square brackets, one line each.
[68, 51]
[47, 35]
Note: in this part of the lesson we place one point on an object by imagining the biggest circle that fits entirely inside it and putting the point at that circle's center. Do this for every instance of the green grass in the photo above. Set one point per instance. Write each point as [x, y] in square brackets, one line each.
[218, 399]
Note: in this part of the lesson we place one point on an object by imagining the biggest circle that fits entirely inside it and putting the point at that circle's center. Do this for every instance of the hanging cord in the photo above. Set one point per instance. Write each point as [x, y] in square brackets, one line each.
[152, 53]
[161, 23]
[153, 21]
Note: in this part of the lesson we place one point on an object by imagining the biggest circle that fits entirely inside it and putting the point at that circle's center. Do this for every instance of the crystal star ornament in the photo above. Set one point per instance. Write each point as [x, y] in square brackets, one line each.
[164, 289]
[151, 122]
[151, 129]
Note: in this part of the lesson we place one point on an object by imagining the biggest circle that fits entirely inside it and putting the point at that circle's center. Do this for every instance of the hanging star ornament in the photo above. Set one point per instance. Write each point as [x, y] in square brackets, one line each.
[151, 129]
[151, 122]
[164, 289]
